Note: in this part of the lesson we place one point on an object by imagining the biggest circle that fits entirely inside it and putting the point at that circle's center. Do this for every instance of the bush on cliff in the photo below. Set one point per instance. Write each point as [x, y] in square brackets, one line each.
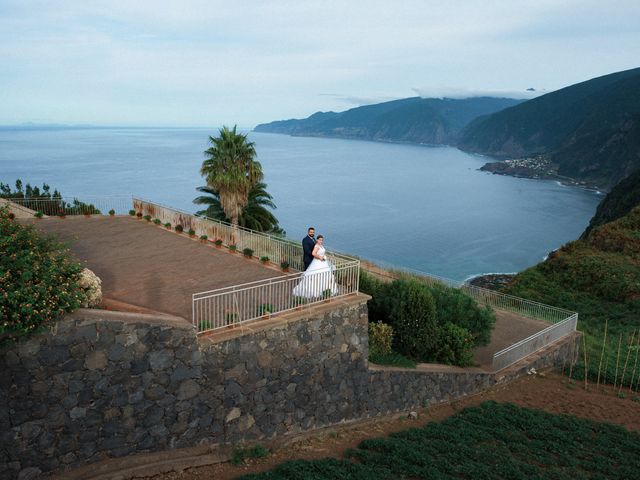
[38, 279]
[454, 321]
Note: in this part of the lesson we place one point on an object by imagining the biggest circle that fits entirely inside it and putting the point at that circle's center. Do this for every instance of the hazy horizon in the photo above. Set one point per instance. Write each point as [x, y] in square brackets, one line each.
[201, 63]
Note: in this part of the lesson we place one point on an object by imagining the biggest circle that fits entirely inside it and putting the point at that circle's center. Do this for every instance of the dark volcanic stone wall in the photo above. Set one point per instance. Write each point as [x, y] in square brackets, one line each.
[105, 384]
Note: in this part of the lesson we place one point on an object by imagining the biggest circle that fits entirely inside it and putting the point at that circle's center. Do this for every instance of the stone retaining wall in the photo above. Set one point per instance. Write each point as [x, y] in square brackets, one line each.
[104, 384]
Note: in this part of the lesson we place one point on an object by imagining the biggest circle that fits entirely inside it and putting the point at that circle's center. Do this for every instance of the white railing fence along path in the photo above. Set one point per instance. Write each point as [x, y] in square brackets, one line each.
[78, 205]
[563, 321]
[277, 249]
[238, 304]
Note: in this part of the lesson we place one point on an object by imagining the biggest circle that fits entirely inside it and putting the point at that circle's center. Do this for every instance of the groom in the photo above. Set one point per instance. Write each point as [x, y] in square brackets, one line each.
[308, 243]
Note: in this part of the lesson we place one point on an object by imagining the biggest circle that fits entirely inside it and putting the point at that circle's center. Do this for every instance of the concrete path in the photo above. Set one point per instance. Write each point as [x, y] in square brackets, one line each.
[509, 329]
[149, 266]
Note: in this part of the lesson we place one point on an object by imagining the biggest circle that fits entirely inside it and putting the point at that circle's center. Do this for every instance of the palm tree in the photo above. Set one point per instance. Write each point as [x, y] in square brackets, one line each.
[231, 171]
[255, 214]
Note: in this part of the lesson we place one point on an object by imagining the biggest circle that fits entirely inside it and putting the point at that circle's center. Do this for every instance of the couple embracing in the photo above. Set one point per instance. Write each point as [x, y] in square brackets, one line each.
[317, 278]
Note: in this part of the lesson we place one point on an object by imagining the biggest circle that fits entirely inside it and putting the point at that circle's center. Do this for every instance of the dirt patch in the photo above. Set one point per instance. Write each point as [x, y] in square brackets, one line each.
[550, 393]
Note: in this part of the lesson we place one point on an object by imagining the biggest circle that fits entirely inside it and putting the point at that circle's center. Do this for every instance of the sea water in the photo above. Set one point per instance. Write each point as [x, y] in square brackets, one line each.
[423, 207]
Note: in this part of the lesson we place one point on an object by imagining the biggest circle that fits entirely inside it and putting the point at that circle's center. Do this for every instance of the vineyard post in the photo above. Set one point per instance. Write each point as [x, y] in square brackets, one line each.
[604, 342]
[633, 334]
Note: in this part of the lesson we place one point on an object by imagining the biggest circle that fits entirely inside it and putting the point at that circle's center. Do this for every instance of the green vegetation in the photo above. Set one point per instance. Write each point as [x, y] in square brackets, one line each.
[247, 252]
[618, 202]
[45, 201]
[241, 454]
[231, 172]
[38, 279]
[590, 131]
[431, 322]
[490, 441]
[417, 120]
[599, 277]
[255, 215]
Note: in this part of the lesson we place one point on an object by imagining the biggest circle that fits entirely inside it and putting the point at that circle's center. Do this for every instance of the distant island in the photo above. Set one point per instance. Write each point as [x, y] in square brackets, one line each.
[587, 134]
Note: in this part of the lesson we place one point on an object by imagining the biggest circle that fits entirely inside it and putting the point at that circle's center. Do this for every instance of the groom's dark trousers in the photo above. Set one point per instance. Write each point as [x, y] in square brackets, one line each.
[307, 247]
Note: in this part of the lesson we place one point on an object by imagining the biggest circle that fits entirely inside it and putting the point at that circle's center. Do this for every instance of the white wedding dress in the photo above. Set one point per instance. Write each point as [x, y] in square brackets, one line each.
[317, 280]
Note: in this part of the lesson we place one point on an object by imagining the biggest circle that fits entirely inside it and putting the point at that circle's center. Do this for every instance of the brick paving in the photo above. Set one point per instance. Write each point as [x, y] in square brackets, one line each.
[148, 266]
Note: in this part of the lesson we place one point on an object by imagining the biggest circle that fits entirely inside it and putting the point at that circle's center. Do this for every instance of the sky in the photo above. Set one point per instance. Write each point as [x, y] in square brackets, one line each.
[208, 63]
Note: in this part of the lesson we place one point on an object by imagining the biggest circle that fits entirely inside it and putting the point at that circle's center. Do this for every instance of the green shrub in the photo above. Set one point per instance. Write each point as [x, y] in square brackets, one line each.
[284, 265]
[241, 454]
[247, 252]
[392, 359]
[179, 228]
[147, 218]
[456, 307]
[204, 238]
[157, 221]
[264, 309]
[38, 214]
[380, 338]
[412, 315]
[454, 345]
[218, 242]
[39, 279]
[132, 213]
[191, 232]
[167, 226]
[264, 259]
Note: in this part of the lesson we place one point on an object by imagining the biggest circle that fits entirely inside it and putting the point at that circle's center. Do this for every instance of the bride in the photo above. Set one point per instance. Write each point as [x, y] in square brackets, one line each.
[317, 280]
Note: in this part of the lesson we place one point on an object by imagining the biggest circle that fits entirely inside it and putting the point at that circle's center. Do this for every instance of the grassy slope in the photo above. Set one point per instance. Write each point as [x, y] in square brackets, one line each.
[599, 277]
[489, 441]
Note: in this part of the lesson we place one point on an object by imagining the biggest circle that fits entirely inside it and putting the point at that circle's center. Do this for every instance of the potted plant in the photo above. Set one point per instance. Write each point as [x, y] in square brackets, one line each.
[204, 325]
[132, 213]
[203, 238]
[147, 218]
[218, 243]
[248, 253]
[265, 310]
[38, 214]
[11, 216]
[112, 212]
[191, 232]
[167, 226]
[62, 213]
[179, 229]
[284, 265]
[230, 319]
[326, 295]
[157, 221]
[139, 215]
[298, 302]
[232, 248]
[264, 260]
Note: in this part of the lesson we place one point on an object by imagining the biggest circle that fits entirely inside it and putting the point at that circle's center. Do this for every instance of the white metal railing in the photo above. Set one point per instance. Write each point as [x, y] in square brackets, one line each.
[535, 342]
[564, 321]
[233, 306]
[277, 249]
[77, 205]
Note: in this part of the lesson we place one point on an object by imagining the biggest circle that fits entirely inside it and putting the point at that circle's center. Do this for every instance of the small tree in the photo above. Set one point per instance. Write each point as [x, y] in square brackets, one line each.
[413, 318]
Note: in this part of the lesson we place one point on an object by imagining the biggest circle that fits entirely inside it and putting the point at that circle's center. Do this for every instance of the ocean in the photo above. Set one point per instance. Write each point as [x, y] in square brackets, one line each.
[427, 208]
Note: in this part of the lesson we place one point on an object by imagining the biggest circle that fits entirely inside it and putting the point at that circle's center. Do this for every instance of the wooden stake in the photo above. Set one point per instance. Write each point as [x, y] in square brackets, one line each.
[615, 380]
[633, 334]
[573, 357]
[635, 363]
[604, 342]
[586, 365]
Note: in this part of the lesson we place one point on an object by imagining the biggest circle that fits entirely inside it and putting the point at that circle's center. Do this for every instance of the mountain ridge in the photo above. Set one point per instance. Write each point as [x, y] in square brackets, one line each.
[409, 120]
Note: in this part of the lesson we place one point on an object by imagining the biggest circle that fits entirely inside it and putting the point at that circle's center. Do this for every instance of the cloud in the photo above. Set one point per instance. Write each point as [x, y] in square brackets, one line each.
[461, 92]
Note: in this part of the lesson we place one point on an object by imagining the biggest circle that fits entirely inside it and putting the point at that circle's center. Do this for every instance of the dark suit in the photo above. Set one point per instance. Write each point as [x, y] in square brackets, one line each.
[307, 247]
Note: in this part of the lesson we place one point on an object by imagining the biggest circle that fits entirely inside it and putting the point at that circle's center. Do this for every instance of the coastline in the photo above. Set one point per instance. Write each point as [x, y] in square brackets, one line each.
[492, 281]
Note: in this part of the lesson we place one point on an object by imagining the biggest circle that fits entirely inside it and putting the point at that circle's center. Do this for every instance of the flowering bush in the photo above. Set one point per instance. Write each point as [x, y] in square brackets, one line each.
[91, 285]
[38, 279]
[380, 338]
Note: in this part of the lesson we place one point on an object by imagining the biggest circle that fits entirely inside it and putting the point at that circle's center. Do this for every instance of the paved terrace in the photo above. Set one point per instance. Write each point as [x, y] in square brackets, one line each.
[150, 267]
